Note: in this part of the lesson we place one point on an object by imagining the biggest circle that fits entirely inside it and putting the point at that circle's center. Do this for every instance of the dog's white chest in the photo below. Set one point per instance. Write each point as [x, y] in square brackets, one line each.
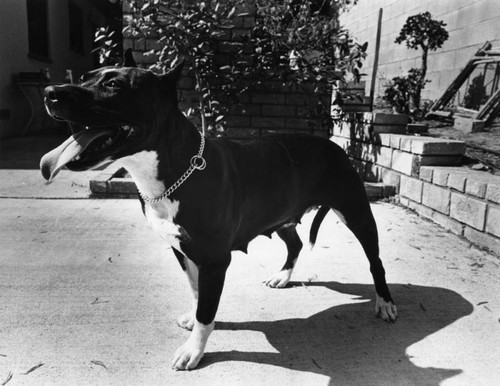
[161, 216]
[143, 167]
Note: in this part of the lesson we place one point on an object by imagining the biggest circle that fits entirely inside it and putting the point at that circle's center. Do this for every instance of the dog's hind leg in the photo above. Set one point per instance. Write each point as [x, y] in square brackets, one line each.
[359, 219]
[288, 234]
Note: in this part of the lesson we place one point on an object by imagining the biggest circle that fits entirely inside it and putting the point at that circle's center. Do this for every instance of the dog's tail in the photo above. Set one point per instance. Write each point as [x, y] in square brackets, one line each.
[318, 219]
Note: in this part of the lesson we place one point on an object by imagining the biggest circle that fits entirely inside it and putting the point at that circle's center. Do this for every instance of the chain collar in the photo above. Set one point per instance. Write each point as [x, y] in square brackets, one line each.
[197, 162]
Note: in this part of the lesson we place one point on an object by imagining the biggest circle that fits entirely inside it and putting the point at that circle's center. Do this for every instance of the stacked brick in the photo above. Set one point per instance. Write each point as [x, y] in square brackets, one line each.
[466, 202]
[426, 174]
[271, 109]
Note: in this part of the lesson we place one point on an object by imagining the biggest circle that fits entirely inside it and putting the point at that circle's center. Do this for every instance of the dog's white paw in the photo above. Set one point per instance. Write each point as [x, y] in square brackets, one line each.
[186, 321]
[190, 353]
[280, 279]
[385, 310]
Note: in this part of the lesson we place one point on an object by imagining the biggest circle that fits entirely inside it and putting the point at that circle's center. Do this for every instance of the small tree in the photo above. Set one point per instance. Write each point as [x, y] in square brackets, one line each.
[422, 31]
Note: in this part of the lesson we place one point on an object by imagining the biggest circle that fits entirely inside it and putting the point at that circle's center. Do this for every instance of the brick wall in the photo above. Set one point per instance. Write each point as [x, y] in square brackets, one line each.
[270, 109]
[427, 175]
[469, 22]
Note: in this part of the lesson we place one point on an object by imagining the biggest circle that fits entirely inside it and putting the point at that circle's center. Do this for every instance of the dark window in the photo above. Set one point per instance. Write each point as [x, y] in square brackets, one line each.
[75, 27]
[38, 29]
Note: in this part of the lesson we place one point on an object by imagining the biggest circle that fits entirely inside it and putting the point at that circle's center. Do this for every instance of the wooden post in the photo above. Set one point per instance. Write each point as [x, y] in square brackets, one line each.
[375, 59]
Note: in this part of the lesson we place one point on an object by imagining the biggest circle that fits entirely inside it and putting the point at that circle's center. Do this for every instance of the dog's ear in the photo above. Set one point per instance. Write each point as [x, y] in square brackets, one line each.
[174, 74]
[169, 80]
[129, 59]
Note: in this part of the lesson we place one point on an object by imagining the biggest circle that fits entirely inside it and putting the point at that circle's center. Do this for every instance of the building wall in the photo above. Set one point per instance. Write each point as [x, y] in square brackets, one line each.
[469, 23]
[14, 59]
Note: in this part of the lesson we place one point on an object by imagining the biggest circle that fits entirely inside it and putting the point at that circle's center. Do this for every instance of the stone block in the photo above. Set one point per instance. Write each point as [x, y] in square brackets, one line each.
[406, 163]
[378, 128]
[468, 210]
[483, 239]
[238, 121]
[440, 160]
[374, 190]
[448, 223]
[493, 220]
[390, 119]
[476, 185]
[440, 176]
[122, 186]
[271, 98]
[493, 191]
[411, 188]
[384, 139]
[278, 110]
[390, 177]
[432, 146]
[384, 157]
[396, 141]
[468, 125]
[297, 99]
[98, 186]
[426, 173]
[436, 198]
[457, 181]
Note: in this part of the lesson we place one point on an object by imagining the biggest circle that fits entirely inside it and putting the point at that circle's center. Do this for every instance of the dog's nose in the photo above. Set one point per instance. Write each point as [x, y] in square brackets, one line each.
[50, 94]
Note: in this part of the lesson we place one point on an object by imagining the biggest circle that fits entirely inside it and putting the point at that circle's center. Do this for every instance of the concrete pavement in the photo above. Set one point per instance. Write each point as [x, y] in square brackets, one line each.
[90, 292]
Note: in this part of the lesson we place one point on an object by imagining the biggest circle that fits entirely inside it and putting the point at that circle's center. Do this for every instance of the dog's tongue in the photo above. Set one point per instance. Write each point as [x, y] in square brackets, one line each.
[53, 161]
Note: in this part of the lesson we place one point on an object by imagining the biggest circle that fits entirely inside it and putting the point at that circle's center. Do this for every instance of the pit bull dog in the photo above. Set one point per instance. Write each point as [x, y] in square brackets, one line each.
[207, 196]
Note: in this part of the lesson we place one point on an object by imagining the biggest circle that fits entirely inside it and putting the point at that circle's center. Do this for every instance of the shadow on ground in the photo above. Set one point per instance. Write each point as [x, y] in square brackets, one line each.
[349, 345]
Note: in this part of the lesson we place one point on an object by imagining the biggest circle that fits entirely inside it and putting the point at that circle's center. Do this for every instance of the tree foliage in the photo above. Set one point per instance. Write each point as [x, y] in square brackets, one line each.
[295, 42]
[402, 91]
[420, 31]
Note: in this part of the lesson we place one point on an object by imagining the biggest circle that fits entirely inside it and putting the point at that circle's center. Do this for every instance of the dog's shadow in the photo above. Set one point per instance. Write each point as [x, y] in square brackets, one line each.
[348, 344]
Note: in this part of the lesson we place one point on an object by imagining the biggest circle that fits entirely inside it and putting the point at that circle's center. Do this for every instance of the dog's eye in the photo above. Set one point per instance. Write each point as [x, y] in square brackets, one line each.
[113, 84]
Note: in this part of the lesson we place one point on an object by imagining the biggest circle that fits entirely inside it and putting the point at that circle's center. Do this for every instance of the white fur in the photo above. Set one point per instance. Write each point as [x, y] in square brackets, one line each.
[143, 167]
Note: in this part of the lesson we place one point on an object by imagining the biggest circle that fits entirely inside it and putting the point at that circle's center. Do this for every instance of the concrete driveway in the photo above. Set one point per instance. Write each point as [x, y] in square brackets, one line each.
[89, 296]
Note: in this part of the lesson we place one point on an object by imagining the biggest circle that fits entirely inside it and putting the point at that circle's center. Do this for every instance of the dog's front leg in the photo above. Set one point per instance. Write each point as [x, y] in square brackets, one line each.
[210, 283]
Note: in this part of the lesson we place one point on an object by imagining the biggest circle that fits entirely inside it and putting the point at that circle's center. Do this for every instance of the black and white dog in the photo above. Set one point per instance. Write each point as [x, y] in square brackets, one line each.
[208, 197]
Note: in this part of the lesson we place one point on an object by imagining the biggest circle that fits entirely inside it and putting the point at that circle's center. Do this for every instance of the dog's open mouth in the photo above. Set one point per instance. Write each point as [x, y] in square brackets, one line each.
[86, 149]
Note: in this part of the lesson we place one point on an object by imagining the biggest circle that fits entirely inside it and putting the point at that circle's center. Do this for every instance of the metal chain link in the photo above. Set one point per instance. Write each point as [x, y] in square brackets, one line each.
[197, 162]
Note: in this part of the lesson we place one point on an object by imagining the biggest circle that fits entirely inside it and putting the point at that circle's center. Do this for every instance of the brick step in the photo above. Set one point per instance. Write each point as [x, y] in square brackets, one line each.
[112, 183]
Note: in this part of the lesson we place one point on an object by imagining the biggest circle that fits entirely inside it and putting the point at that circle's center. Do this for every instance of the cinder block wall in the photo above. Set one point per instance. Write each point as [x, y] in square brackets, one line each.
[469, 22]
[270, 109]
[427, 175]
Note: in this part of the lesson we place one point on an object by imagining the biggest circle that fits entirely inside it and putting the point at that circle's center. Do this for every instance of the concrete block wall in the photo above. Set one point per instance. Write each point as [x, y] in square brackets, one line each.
[271, 109]
[469, 23]
[428, 178]
[466, 202]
